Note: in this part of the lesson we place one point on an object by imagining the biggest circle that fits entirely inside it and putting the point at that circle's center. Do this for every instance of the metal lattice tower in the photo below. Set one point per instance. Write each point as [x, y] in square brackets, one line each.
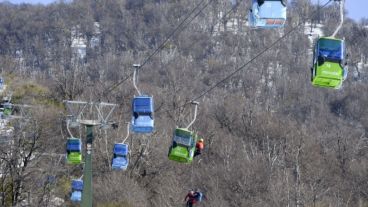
[89, 114]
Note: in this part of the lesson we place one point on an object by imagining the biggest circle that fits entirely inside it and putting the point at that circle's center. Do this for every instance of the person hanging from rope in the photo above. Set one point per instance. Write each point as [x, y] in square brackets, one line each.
[190, 199]
[199, 147]
[193, 197]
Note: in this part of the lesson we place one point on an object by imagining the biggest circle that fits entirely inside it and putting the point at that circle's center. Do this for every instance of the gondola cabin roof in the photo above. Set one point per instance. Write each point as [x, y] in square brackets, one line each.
[74, 144]
[143, 104]
[120, 149]
[183, 136]
[331, 48]
[77, 184]
[7, 105]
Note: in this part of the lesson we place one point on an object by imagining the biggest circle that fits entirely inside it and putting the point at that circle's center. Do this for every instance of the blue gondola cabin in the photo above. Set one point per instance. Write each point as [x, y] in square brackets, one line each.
[267, 14]
[1, 83]
[77, 188]
[120, 160]
[142, 117]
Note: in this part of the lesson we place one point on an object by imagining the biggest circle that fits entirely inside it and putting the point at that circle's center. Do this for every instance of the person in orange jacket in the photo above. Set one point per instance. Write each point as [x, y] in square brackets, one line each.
[199, 147]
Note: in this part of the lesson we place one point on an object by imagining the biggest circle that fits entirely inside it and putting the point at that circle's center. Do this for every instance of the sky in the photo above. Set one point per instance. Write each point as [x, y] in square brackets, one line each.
[357, 9]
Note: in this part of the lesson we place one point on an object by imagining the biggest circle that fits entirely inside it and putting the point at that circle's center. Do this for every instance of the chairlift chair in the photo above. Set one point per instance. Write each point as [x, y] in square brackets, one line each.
[267, 14]
[120, 160]
[77, 188]
[183, 145]
[329, 67]
[142, 117]
[74, 151]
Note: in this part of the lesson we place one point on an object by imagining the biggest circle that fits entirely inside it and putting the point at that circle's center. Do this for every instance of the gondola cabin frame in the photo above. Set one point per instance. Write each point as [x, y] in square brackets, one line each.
[77, 188]
[267, 14]
[329, 66]
[183, 145]
[74, 151]
[142, 114]
[120, 159]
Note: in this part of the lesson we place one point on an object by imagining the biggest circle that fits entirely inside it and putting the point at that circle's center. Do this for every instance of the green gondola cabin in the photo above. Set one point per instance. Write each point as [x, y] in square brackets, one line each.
[328, 69]
[8, 107]
[183, 146]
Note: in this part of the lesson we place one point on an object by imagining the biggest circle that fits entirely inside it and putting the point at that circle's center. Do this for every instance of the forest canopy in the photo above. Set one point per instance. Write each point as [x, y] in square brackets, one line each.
[271, 138]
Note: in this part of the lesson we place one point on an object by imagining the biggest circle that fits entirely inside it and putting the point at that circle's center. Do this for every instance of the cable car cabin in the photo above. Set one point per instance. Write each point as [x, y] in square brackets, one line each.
[328, 63]
[1, 83]
[77, 188]
[267, 14]
[183, 146]
[7, 109]
[120, 160]
[74, 151]
[142, 118]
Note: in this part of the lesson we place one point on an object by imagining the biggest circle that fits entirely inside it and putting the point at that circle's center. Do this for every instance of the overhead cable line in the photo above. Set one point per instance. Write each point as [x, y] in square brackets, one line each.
[164, 42]
[247, 63]
[177, 28]
[222, 18]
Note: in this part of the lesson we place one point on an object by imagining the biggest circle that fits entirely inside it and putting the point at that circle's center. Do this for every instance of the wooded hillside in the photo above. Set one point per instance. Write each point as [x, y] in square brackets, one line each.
[271, 138]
